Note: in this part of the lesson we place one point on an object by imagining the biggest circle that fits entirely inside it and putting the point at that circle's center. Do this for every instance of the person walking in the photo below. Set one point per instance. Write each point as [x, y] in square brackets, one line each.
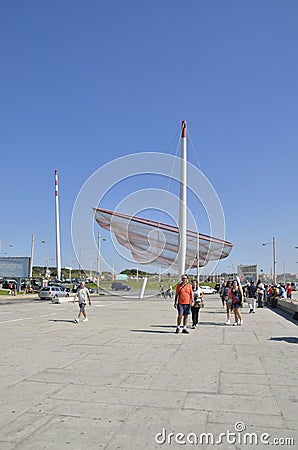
[222, 294]
[236, 294]
[198, 302]
[260, 293]
[183, 302]
[289, 290]
[228, 301]
[252, 296]
[83, 296]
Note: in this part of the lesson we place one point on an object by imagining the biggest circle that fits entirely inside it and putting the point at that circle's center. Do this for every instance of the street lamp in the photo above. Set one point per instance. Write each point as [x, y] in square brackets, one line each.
[98, 258]
[273, 243]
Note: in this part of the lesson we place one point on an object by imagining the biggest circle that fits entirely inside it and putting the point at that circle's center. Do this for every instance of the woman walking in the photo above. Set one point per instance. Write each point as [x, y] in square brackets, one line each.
[195, 309]
[228, 301]
[236, 294]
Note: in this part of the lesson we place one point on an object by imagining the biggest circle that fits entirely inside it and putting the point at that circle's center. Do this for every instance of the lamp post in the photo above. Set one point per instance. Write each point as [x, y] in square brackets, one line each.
[273, 243]
[98, 259]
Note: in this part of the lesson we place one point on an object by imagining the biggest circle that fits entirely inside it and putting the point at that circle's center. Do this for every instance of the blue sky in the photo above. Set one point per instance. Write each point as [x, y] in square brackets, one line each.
[85, 82]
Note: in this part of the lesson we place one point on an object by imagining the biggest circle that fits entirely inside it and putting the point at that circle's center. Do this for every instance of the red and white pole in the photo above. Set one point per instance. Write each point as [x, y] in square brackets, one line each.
[58, 255]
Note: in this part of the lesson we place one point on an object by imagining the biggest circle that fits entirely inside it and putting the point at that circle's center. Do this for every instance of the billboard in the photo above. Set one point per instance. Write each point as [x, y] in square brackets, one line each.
[248, 272]
[14, 267]
[121, 277]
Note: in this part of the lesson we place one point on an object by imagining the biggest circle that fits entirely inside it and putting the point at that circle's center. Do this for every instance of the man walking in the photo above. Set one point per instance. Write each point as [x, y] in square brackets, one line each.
[252, 297]
[183, 301]
[82, 295]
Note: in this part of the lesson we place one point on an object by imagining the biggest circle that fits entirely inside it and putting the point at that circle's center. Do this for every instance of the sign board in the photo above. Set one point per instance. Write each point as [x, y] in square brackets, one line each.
[249, 272]
[14, 267]
[121, 277]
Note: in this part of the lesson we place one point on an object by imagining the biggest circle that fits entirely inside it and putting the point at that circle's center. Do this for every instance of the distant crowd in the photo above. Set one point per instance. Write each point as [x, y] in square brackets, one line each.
[260, 294]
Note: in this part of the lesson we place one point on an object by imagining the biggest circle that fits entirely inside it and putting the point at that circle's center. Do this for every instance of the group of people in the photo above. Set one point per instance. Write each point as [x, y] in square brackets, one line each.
[232, 296]
[188, 299]
[256, 295]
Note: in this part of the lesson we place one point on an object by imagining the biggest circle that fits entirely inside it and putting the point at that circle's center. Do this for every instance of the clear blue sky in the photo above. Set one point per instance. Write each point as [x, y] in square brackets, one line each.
[85, 82]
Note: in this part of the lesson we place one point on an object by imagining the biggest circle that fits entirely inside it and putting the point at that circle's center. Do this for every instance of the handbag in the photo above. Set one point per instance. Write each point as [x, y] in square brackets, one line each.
[199, 304]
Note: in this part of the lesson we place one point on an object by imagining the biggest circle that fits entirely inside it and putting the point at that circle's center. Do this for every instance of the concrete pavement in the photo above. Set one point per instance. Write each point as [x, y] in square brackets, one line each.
[124, 380]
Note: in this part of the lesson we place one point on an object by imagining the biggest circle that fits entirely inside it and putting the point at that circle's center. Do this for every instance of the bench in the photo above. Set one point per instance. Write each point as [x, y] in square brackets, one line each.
[290, 306]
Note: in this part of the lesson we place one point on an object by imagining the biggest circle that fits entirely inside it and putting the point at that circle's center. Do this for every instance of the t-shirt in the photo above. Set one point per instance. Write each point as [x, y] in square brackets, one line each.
[83, 295]
[289, 290]
[184, 294]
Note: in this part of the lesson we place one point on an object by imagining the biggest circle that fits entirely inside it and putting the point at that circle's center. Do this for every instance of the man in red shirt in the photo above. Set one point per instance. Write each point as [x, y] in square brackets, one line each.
[183, 302]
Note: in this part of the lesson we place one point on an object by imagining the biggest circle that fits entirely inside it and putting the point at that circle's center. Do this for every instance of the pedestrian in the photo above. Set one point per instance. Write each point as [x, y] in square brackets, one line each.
[183, 302]
[222, 294]
[252, 296]
[228, 301]
[198, 303]
[236, 294]
[14, 289]
[260, 293]
[83, 296]
[289, 290]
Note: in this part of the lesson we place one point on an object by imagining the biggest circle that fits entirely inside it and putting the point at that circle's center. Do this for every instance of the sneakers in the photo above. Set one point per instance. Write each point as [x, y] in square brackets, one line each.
[85, 320]
[228, 322]
[76, 321]
[193, 327]
[240, 322]
[185, 331]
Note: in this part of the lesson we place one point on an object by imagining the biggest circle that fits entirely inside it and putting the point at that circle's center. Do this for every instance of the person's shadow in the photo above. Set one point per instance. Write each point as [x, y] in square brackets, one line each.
[61, 320]
[289, 339]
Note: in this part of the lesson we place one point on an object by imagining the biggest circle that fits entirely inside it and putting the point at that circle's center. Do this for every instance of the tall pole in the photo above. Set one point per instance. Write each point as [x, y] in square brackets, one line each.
[274, 260]
[32, 255]
[182, 203]
[198, 258]
[98, 260]
[58, 255]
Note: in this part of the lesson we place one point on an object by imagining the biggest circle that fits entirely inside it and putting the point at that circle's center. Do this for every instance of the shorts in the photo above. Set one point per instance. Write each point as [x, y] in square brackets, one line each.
[82, 307]
[236, 305]
[183, 310]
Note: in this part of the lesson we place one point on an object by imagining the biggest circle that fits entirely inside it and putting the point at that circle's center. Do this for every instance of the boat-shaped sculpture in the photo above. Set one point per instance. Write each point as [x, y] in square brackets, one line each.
[160, 244]
[152, 242]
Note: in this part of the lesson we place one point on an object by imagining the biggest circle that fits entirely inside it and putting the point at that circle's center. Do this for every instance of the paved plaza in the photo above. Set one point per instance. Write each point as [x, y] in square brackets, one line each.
[124, 379]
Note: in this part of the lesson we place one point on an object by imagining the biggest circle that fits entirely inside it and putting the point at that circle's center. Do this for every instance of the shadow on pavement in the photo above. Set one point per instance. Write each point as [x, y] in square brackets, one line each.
[152, 331]
[61, 320]
[290, 340]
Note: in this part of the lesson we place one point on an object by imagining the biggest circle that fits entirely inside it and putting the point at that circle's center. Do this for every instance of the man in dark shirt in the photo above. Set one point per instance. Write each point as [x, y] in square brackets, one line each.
[252, 297]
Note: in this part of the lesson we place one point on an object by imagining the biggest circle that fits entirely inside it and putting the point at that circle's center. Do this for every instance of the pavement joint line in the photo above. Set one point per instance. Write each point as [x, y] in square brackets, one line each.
[102, 306]
[28, 318]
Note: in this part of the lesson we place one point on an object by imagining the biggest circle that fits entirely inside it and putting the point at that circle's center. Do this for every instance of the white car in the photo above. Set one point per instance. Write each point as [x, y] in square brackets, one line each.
[51, 292]
[207, 290]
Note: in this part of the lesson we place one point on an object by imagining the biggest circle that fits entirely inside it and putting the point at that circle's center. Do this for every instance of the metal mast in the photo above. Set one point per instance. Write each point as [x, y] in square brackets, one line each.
[183, 202]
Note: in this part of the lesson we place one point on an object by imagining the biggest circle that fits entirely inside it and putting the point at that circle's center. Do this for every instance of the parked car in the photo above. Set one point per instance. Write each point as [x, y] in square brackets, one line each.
[207, 290]
[76, 286]
[50, 292]
[116, 286]
[8, 284]
[61, 286]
